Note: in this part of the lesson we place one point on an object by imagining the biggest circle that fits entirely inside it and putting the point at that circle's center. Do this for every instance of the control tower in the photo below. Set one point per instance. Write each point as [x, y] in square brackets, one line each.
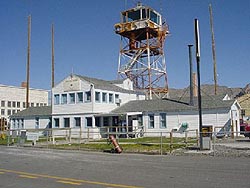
[141, 56]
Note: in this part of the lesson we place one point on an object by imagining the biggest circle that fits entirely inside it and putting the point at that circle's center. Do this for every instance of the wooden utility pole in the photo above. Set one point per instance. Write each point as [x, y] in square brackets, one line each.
[213, 49]
[28, 63]
[53, 58]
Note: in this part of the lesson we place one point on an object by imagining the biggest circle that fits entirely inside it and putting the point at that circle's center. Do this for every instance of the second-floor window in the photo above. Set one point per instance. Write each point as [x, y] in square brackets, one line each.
[111, 98]
[56, 99]
[97, 96]
[88, 96]
[104, 97]
[64, 99]
[72, 98]
[80, 97]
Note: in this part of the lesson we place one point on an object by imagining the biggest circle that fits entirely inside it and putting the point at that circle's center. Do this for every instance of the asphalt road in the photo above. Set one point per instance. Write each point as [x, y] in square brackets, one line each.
[29, 168]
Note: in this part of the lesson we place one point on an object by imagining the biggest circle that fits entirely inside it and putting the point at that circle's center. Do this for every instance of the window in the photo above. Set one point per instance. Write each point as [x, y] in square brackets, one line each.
[56, 99]
[97, 96]
[14, 104]
[37, 122]
[144, 13]
[104, 97]
[21, 123]
[154, 17]
[72, 98]
[32, 104]
[88, 96]
[17, 124]
[79, 97]
[2, 112]
[88, 121]
[56, 122]
[133, 15]
[13, 112]
[97, 121]
[151, 123]
[111, 98]
[41, 104]
[37, 104]
[3, 103]
[77, 122]
[163, 123]
[64, 99]
[18, 104]
[9, 112]
[13, 123]
[66, 122]
[9, 103]
[140, 121]
[116, 98]
[105, 121]
[24, 105]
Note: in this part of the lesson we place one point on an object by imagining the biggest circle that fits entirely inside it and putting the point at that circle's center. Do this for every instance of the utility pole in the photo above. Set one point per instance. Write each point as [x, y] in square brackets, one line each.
[213, 49]
[191, 102]
[53, 58]
[28, 63]
[197, 44]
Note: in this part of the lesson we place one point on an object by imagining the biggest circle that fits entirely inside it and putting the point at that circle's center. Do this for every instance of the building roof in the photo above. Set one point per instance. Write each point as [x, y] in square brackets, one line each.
[171, 105]
[20, 87]
[33, 111]
[106, 85]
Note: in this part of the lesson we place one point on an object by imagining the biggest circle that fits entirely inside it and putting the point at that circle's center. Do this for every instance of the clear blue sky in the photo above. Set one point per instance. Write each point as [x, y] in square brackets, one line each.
[86, 43]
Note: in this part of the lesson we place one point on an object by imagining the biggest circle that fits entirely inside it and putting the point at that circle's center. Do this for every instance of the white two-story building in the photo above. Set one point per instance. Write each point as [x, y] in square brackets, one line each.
[77, 99]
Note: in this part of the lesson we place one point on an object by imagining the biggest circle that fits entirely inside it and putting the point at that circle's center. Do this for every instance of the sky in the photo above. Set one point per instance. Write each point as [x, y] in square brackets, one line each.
[86, 44]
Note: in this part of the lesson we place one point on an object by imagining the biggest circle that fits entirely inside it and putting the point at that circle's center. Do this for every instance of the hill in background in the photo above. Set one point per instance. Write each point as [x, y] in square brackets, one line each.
[208, 90]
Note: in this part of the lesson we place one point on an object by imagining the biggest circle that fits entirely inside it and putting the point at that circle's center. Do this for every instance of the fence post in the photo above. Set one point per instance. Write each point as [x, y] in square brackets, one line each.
[88, 134]
[197, 137]
[186, 138]
[214, 137]
[69, 135]
[8, 144]
[171, 141]
[47, 136]
[53, 137]
[161, 144]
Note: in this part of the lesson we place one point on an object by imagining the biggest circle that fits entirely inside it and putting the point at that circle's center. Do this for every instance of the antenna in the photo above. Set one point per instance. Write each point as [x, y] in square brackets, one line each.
[28, 63]
[213, 49]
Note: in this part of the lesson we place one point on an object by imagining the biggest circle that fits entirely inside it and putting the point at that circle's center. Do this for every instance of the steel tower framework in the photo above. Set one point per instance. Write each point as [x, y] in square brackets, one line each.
[141, 55]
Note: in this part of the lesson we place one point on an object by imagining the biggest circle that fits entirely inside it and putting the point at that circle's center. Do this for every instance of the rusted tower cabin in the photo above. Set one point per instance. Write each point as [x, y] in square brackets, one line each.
[141, 56]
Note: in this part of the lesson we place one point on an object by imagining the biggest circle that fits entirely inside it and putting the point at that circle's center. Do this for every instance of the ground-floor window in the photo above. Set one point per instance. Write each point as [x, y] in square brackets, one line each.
[105, 121]
[97, 121]
[88, 121]
[163, 123]
[66, 122]
[77, 122]
[56, 122]
[151, 123]
[37, 122]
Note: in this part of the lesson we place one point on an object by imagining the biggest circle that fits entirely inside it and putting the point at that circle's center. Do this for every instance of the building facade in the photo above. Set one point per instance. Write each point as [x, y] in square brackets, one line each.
[77, 99]
[13, 99]
[82, 104]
